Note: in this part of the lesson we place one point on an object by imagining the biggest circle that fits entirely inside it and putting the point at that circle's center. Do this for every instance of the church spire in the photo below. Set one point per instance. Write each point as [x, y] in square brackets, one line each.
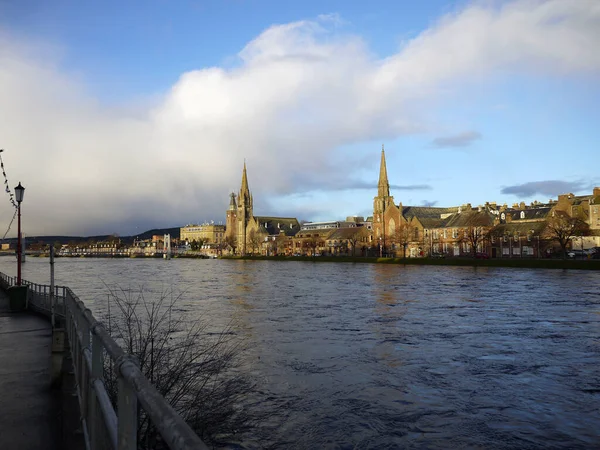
[383, 187]
[244, 190]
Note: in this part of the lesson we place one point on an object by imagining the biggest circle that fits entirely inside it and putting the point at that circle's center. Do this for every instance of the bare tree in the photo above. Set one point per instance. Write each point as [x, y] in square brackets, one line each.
[196, 370]
[473, 235]
[563, 228]
[402, 236]
[314, 242]
[281, 245]
[353, 241]
[254, 239]
[231, 243]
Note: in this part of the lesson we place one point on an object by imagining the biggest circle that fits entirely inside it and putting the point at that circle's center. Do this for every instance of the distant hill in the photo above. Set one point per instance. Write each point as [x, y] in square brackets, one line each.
[174, 232]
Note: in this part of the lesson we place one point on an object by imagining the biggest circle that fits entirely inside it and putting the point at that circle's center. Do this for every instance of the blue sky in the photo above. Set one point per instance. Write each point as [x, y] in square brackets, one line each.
[121, 116]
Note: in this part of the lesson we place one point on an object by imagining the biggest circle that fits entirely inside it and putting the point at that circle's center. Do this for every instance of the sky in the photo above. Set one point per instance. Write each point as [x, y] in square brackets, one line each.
[119, 117]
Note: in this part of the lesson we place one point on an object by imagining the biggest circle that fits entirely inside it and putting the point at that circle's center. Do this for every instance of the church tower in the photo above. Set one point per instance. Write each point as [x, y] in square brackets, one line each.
[231, 220]
[244, 211]
[381, 204]
[383, 199]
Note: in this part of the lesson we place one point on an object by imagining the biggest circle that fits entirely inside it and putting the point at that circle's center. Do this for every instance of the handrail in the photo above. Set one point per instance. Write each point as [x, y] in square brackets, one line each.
[89, 341]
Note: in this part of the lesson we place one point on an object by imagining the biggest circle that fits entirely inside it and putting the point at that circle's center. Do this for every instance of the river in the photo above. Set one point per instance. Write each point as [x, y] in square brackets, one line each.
[390, 356]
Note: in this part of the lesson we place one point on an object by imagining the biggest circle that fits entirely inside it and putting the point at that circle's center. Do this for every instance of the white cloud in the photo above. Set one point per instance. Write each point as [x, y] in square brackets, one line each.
[300, 90]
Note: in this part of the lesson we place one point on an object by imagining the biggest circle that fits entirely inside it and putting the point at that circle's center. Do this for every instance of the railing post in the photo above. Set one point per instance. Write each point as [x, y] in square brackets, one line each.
[85, 378]
[95, 416]
[127, 409]
[52, 297]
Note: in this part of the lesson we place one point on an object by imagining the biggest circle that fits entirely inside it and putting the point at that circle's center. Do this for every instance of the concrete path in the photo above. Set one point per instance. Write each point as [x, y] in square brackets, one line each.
[29, 410]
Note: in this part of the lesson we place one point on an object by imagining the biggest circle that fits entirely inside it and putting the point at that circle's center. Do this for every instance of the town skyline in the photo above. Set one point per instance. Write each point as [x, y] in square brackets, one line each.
[121, 118]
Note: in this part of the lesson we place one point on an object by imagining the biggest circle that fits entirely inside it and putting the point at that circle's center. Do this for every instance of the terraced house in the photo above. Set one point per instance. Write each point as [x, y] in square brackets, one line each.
[396, 230]
[482, 231]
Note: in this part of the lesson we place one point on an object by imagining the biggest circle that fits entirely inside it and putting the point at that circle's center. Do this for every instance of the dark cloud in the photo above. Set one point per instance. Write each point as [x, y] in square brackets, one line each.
[458, 140]
[551, 188]
[429, 202]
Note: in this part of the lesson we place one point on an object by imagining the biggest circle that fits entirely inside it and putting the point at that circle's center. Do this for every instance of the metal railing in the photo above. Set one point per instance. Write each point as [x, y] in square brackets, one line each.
[105, 428]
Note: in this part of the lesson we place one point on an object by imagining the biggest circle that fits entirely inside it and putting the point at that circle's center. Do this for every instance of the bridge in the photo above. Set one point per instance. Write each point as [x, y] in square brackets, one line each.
[54, 339]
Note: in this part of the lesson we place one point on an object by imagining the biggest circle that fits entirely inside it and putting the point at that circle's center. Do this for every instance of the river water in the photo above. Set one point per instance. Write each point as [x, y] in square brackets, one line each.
[390, 356]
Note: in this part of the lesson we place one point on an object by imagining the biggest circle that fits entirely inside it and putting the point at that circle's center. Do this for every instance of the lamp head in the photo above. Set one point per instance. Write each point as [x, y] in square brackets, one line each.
[19, 192]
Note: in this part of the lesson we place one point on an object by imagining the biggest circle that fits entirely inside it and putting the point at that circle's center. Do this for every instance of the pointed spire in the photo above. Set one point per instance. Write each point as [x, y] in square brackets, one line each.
[232, 205]
[244, 189]
[383, 187]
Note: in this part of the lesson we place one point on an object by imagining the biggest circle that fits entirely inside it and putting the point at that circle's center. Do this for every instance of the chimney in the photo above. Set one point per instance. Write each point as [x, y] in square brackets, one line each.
[597, 192]
[522, 205]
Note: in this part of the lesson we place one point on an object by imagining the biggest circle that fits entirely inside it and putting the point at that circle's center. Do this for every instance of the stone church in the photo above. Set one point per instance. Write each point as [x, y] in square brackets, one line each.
[248, 231]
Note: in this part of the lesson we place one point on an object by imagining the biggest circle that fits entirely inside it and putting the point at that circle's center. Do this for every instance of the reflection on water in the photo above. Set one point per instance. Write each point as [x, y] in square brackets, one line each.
[386, 356]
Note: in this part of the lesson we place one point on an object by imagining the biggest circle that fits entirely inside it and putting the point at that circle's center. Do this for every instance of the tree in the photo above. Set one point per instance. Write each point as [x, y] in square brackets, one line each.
[353, 240]
[231, 243]
[563, 228]
[473, 235]
[402, 236]
[197, 371]
[254, 239]
[197, 244]
[281, 244]
[314, 242]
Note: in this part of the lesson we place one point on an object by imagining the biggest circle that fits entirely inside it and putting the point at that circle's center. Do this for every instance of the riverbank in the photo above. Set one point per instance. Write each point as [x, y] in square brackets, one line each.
[501, 262]
[111, 255]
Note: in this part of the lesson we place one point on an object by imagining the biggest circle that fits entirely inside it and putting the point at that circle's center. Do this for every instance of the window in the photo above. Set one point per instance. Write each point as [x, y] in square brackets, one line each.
[445, 236]
[522, 214]
[503, 216]
[454, 233]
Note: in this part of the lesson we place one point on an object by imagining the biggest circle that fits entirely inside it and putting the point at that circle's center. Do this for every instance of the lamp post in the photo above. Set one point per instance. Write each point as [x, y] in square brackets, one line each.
[19, 191]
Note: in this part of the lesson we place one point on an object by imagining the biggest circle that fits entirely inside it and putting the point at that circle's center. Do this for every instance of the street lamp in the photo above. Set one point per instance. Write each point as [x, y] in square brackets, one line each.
[19, 192]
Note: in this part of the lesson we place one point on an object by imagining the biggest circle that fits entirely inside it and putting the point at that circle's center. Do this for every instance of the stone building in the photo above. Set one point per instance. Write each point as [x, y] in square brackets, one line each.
[586, 208]
[248, 232]
[208, 233]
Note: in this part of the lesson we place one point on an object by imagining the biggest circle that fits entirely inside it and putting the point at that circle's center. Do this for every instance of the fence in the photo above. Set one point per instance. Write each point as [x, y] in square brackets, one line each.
[103, 427]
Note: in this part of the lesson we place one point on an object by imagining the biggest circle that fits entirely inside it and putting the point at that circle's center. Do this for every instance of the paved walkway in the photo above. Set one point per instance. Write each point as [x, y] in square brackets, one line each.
[29, 410]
